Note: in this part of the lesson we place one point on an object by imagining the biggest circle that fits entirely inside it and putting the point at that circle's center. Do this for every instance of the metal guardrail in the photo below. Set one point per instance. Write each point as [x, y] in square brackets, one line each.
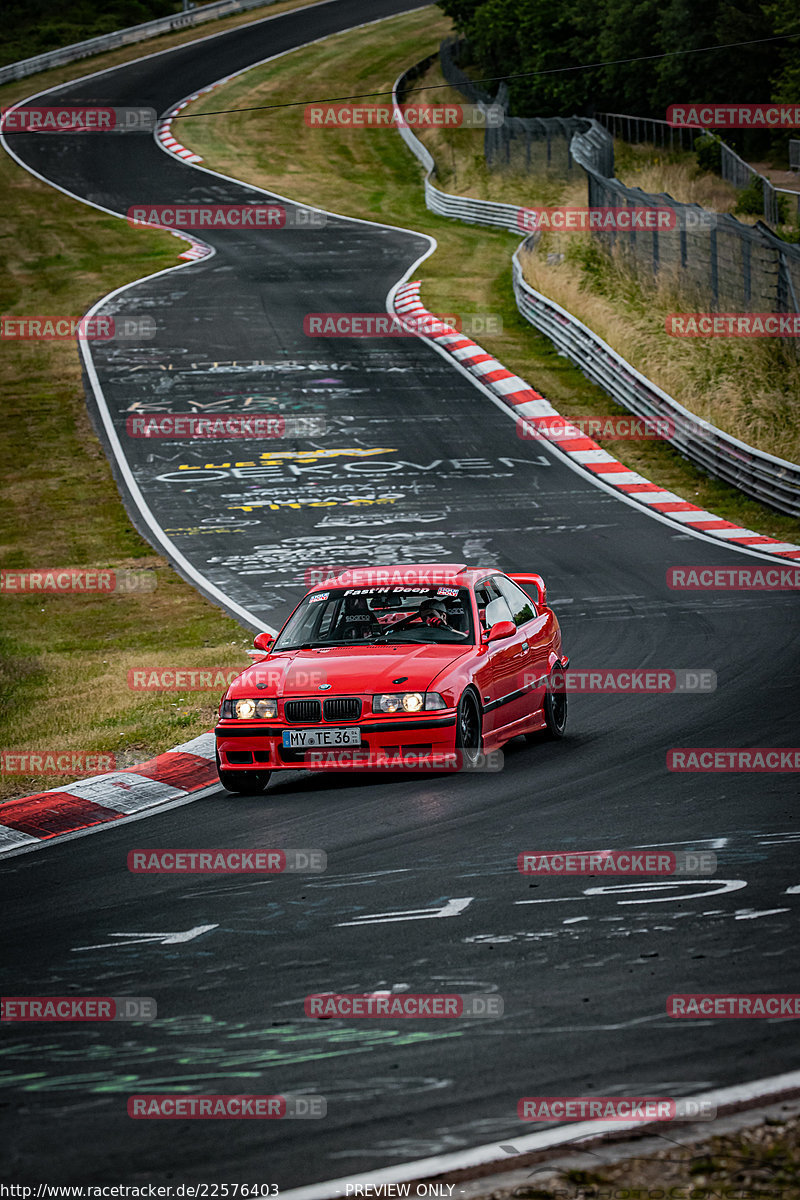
[593, 149]
[445, 204]
[771, 480]
[125, 37]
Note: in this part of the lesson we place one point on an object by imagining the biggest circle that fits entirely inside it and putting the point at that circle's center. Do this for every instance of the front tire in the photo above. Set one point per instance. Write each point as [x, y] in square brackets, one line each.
[469, 730]
[243, 783]
[555, 712]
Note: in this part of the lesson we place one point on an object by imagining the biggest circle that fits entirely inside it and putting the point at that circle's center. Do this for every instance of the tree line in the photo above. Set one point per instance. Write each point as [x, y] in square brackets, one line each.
[557, 41]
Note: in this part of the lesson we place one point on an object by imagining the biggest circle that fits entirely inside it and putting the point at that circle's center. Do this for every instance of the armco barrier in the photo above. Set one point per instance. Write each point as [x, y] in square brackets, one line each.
[460, 208]
[766, 478]
[125, 37]
[774, 481]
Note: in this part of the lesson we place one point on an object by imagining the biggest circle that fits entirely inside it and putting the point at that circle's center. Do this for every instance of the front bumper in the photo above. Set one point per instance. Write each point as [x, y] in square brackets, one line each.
[386, 744]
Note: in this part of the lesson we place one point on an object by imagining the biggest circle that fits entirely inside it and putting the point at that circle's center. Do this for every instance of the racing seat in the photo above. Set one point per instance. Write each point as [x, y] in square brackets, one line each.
[356, 622]
[498, 610]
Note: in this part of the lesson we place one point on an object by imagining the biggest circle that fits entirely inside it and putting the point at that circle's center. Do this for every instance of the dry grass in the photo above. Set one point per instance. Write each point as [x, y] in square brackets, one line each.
[748, 388]
[760, 1163]
[672, 171]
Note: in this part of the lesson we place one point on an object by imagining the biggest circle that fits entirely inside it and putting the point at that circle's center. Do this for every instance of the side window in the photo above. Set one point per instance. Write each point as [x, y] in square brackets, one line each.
[522, 607]
[492, 605]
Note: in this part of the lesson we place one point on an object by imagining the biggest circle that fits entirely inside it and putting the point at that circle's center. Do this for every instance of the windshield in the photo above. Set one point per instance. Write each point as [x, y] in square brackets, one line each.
[375, 615]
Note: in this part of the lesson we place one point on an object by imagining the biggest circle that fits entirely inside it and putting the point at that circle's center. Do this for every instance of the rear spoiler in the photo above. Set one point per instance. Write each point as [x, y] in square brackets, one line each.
[527, 580]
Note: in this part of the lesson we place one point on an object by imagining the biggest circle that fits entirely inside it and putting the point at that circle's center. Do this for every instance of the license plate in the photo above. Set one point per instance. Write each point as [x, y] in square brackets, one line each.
[302, 739]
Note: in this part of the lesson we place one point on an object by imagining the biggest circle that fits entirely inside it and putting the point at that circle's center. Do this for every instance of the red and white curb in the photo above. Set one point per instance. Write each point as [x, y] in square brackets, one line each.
[525, 402]
[103, 798]
[197, 249]
[164, 127]
[165, 139]
[164, 136]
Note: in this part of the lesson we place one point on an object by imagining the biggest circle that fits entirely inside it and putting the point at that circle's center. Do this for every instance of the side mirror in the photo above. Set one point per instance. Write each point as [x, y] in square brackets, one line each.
[503, 629]
[263, 644]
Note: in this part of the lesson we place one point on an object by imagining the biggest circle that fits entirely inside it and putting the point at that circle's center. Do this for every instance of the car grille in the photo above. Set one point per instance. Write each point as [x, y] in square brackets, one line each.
[302, 710]
[342, 709]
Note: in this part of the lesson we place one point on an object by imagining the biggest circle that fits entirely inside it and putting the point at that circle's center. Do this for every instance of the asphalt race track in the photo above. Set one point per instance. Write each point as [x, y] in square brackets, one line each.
[584, 965]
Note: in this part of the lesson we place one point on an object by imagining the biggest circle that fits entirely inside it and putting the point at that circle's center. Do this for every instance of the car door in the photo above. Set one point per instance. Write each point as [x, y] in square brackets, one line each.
[505, 702]
[537, 642]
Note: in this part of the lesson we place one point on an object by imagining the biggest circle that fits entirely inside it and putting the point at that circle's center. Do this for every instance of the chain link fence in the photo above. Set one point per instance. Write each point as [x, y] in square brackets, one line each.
[647, 129]
[732, 168]
[715, 261]
[539, 145]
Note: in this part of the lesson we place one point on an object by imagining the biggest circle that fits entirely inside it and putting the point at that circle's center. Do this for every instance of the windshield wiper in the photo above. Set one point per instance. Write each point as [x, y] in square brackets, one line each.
[323, 645]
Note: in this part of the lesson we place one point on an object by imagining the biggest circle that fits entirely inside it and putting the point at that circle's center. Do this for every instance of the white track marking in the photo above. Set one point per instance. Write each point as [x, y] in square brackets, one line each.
[451, 909]
[10, 839]
[161, 939]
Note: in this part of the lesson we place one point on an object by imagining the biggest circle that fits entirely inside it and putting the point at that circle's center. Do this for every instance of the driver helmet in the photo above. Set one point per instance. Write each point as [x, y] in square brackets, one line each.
[432, 605]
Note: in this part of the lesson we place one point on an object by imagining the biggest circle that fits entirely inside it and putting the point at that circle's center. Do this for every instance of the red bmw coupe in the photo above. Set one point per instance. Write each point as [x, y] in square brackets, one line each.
[427, 664]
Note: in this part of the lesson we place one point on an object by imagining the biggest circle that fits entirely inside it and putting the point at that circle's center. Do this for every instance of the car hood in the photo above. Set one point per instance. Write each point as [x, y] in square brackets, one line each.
[354, 670]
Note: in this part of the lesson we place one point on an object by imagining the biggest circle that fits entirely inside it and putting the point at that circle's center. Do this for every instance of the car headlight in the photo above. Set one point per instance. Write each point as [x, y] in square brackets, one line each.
[410, 702]
[392, 702]
[249, 710]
